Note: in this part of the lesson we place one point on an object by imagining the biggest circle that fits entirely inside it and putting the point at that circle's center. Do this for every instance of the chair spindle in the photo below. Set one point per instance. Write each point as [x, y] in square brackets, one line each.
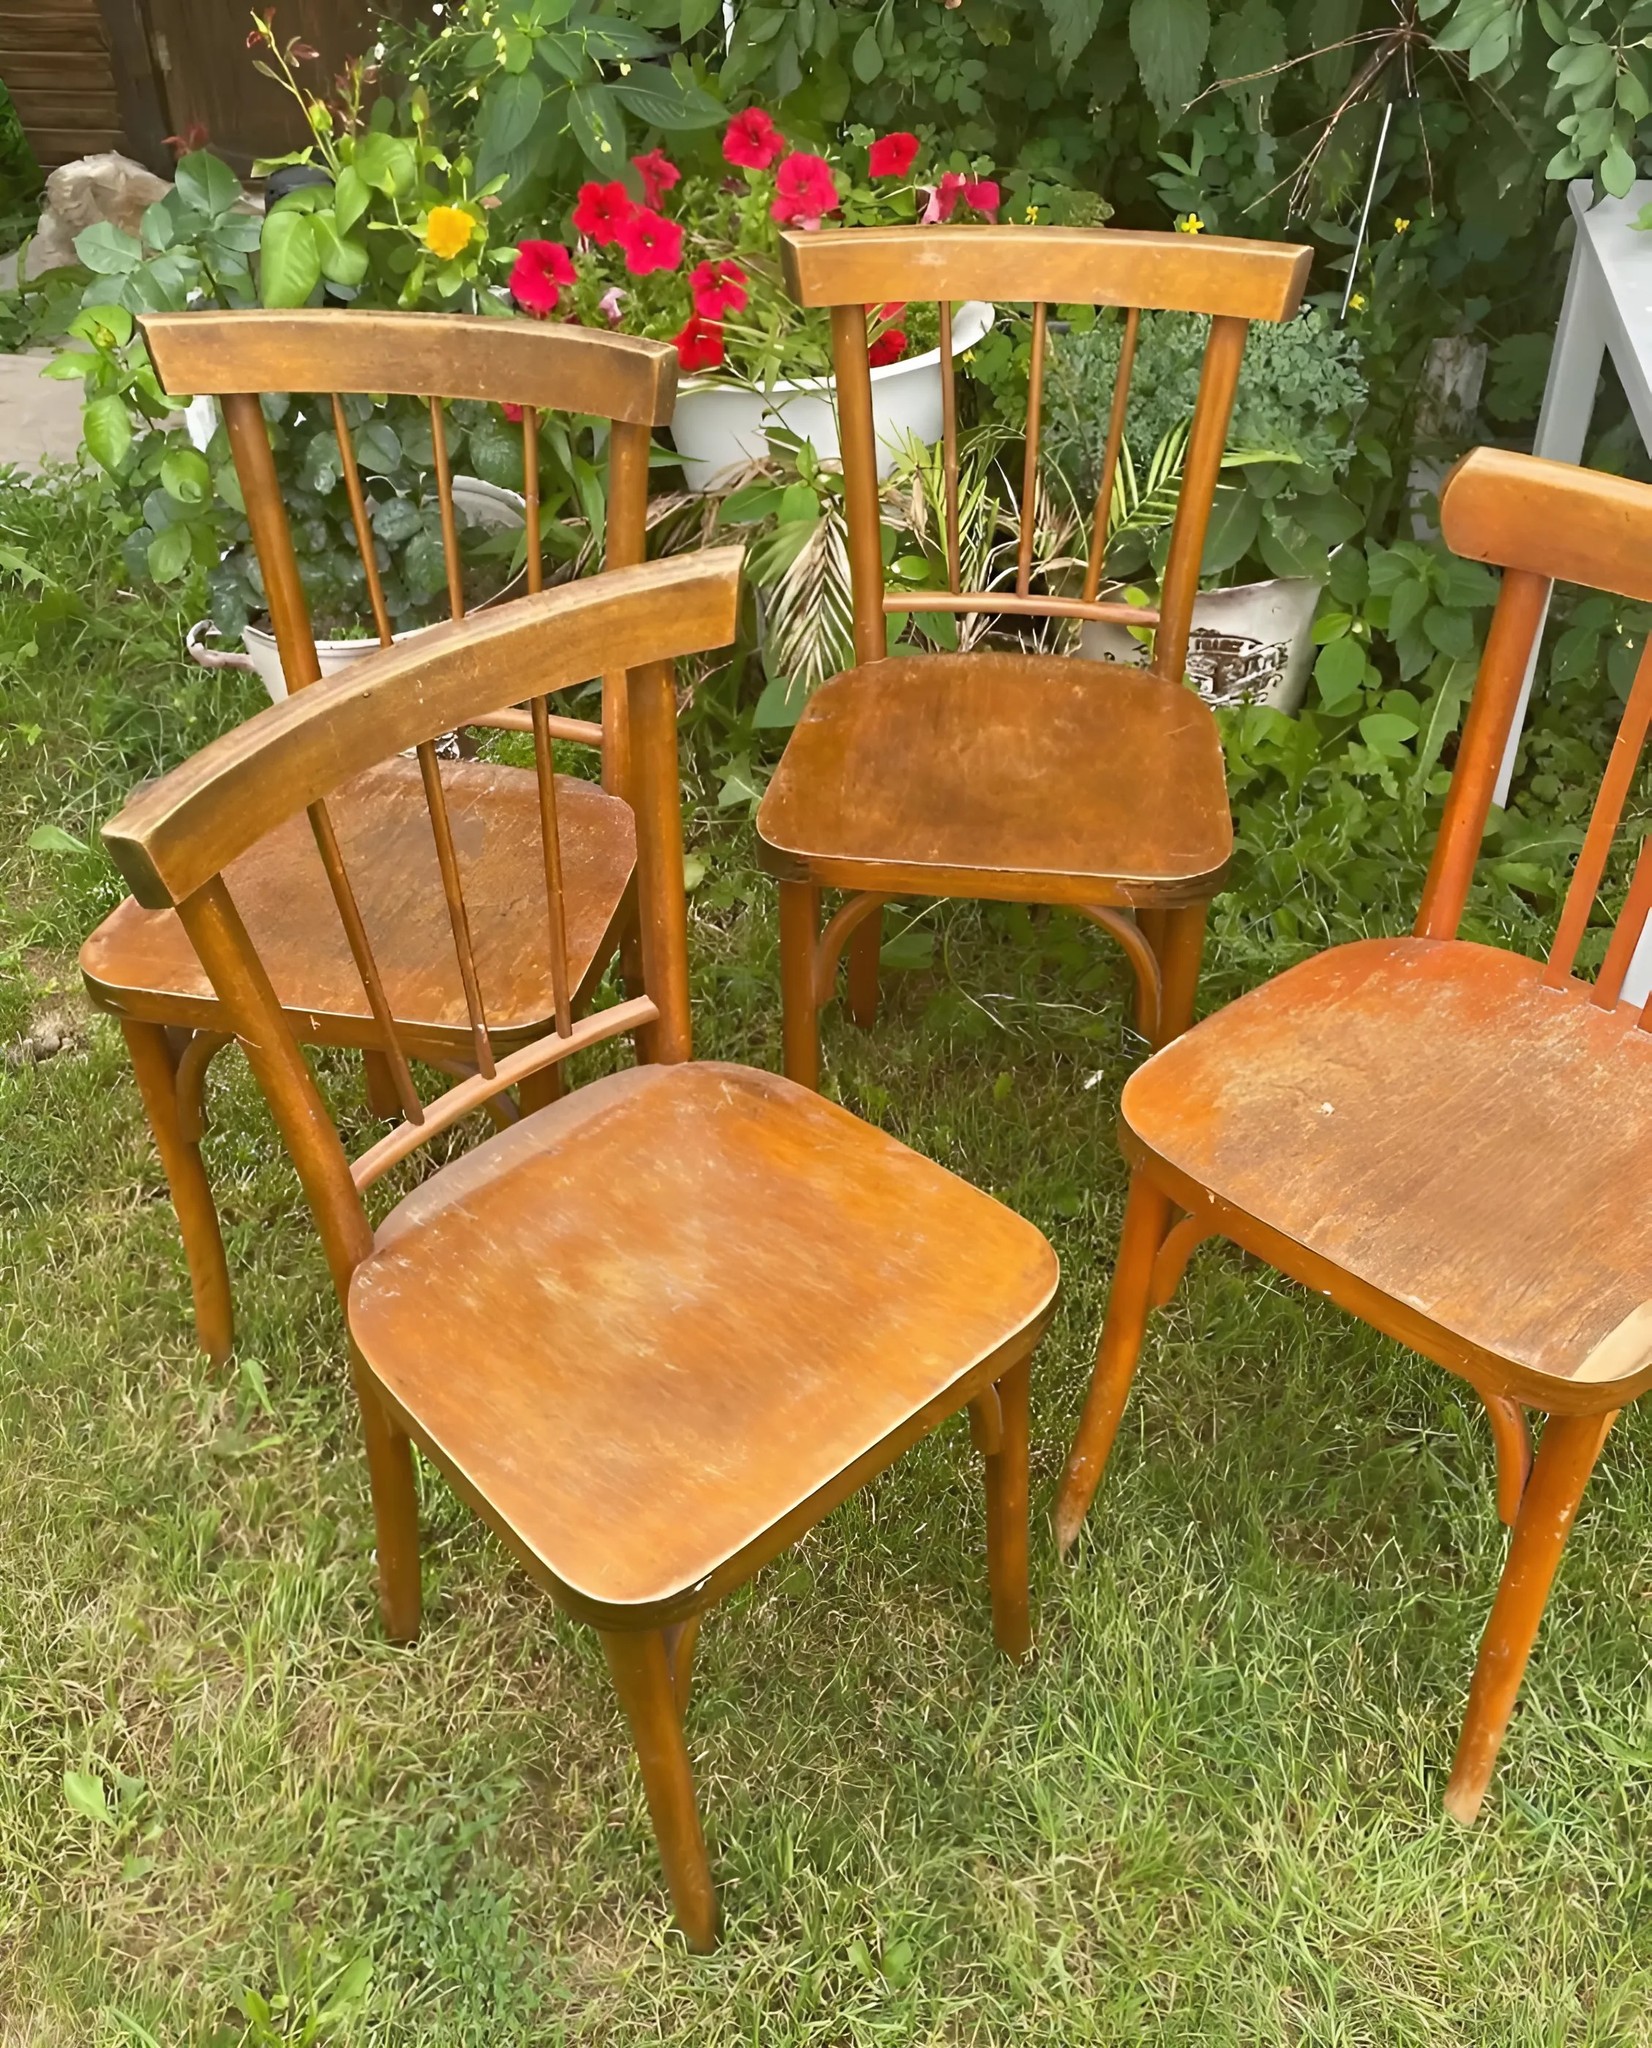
[359, 520]
[1029, 473]
[453, 890]
[1110, 454]
[450, 522]
[1603, 825]
[361, 951]
[545, 769]
[530, 494]
[949, 448]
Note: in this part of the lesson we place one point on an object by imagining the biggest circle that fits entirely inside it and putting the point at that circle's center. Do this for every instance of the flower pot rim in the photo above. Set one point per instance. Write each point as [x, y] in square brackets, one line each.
[819, 387]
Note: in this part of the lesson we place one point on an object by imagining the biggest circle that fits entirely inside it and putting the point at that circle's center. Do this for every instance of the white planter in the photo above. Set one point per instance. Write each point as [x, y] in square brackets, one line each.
[719, 428]
[487, 504]
[1249, 645]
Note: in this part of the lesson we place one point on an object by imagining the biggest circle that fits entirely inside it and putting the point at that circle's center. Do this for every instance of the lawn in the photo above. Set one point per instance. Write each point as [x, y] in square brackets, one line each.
[1207, 1812]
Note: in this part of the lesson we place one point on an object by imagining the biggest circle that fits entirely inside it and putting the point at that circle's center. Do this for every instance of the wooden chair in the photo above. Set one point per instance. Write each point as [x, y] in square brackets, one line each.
[1015, 777]
[657, 1329]
[138, 965]
[1448, 1139]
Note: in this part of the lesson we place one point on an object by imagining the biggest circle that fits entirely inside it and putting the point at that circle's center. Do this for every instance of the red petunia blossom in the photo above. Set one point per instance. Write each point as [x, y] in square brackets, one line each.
[805, 190]
[538, 276]
[889, 347]
[658, 174]
[718, 288]
[700, 344]
[650, 242]
[981, 196]
[601, 211]
[944, 197]
[512, 412]
[752, 141]
[892, 156]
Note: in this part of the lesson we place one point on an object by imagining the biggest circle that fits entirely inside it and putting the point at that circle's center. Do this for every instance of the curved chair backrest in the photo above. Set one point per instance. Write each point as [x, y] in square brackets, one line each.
[1234, 282]
[324, 355]
[1542, 523]
[174, 839]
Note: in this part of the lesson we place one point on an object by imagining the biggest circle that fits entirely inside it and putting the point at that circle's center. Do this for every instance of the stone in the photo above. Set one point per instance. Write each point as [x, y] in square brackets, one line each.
[108, 187]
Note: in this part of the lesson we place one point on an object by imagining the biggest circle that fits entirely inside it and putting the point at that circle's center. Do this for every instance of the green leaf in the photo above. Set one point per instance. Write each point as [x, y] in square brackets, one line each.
[103, 326]
[1617, 170]
[84, 1792]
[107, 428]
[598, 125]
[1386, 732]
[1340, 673]
[53, 839]
[352, 196]
[343, 259]
[662, 100]
[207, 183]
[1169, 38]
[1245, 41]
[1450, 631]
[866, 60]
[386, 162]
[108, 250]
[290, 261]
[696, 15]
[170, 553]
[185, 474]
[509, 110]
[1072, 24]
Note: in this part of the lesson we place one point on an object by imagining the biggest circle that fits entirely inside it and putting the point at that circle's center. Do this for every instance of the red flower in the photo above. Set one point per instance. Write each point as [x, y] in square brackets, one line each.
[981, 196]
[700, 344]
[752, 141]
[944, 197]
[806, 190]
[650, 242]
[889, 347]
[602, 211]
[718, 288]
[658, 174]
[512, 412]
[538, 275]
[892, 156]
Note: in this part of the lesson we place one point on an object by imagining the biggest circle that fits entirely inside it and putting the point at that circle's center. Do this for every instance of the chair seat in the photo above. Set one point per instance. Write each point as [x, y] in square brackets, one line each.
[647, 1322]
[1429, 1117]
[1020, 777]
[139, 963]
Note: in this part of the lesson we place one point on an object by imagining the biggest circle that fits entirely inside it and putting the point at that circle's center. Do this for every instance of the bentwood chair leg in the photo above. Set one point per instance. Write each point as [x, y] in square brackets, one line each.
[1565, 1458]
[395, 1509]
[641, 1666]
[156, 1071]
[1513, 1441]
[1151, 924]
[800, 1020]
[1146, 1215]
[1179, 950]
[1006, 1477]
[865, 948]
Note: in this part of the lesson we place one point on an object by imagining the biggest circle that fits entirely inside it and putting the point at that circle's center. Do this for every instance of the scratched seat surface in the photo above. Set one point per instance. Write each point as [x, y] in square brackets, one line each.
[686, 1299]
[1029, 777]
[139, 963]
[1435, 1120]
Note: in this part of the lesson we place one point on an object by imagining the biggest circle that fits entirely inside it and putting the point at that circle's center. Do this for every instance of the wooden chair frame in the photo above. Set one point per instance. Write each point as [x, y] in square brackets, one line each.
[174, 842]
[1235, 282]
[1539, 522]
[234, 356]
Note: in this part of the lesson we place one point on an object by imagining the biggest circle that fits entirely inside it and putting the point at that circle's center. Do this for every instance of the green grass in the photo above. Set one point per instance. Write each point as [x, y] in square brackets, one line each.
[1208, 1812]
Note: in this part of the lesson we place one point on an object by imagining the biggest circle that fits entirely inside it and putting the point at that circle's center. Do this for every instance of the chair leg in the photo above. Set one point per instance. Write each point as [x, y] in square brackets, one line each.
[1179, 950]
[1513, 1441]
[1152, 926]
[382, 1098]
[1006, 1477]
[641, 1666]
[800, 1020]
[537, 1090]
[1565, 1458]
[156, 1071]
[1146, 1216]
[395, 1508]
[865, 947]
[680, 1639]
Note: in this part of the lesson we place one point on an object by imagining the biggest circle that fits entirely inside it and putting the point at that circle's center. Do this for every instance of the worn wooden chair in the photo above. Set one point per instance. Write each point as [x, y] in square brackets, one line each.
[138, 965]
[663, 1325]
[1015, 777]
[1448, 1139]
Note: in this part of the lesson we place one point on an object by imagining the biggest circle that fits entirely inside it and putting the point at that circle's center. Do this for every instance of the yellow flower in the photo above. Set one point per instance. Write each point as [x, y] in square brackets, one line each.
[1032, 214]
[448, 230]
[1358, 302]
[1400, 224]
[1190, 224]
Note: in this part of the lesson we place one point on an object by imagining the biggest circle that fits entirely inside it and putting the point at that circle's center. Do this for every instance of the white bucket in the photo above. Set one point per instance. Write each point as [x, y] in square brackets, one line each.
[719, 428]
[1249, 645]
[488, 504]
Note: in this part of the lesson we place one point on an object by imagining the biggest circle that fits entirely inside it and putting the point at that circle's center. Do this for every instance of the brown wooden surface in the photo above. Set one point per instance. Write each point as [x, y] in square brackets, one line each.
[714, 1332]
[660, 1326]
[1061, 266]
[459, 355]
[56, 64]
[1029, 777]
[139, 963]
[1447, 1139]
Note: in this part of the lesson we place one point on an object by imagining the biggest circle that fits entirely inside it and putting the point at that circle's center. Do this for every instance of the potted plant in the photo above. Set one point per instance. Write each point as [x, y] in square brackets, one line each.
[1279, 508]
[694, 259]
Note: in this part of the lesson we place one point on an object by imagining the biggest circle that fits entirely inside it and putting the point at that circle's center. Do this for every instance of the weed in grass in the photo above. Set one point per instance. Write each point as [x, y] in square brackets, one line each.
[1207, 1813]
